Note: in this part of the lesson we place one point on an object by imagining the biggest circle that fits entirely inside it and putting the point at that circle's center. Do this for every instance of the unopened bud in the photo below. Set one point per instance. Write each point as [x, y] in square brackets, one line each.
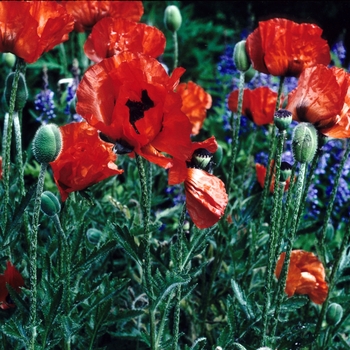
[304, 142]
[283, 119]
[47, 143]
[334, 314]
[93, 235]
[172, 18]
[50, 204]
[9, 59]
[21, 93]
[240, 56]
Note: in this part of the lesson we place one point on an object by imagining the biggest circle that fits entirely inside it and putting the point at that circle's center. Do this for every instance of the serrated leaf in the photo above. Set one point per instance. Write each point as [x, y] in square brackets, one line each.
[196, 344]
[17, 299]
[102, 313]
[15, 330]
[241, 298]
[294, 303]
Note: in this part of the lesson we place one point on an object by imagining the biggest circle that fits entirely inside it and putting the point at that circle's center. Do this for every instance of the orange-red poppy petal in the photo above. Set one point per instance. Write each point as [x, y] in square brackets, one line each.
[206, 198]
[284, 48]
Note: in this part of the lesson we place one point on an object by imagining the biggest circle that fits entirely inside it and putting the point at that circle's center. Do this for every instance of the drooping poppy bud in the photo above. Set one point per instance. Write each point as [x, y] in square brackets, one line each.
[47, 143]
[172, 18]
[21, 94]
[334, 314]
[50, 204]
[283, 119]
[93, 235]
[240, 56]
[304, 142]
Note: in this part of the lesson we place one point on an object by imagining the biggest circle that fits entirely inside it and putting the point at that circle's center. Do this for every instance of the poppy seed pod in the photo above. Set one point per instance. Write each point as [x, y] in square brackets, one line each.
[304, 142]
[240, 56]
[21, 94]
[283, 119]
[286, 170]
[172, 18]
[201, 158]
[47, 143]
[334, 314]
[93, 235]
[50, 205]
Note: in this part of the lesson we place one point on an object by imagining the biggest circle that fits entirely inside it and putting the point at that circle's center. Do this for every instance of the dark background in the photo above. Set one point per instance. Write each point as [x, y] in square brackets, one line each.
[333, 17]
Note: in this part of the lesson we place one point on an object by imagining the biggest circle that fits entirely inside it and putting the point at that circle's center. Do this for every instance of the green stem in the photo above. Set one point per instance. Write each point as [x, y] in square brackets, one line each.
[334, 193]
[275, 221]
[176, 49]
[236, 123]
[19, 156]
[33, 256]
[290, 241]
[6, 161]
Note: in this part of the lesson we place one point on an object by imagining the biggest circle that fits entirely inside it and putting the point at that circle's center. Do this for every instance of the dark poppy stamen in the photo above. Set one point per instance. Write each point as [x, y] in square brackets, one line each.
[137, 109]
[122, 147]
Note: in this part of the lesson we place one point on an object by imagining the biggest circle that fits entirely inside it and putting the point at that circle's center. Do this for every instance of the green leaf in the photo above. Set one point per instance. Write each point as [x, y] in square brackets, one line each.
[17, 299]
[294, 303]
[241, 298]
[15, 330]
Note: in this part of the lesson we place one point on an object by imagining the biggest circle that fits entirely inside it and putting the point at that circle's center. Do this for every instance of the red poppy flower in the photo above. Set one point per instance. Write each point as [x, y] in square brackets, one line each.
[130, 98]
[322, 98]
[87, 13]
[12, 277]
[259, 105]
[84, 159]
[195, 102]
[28, 29]
[306, 275]
[206, 197]
[284, 48]
[111, 36]
[261, 174]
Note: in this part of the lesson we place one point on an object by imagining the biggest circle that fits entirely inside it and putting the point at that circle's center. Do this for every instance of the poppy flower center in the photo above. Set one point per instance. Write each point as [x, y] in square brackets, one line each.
[137, 108]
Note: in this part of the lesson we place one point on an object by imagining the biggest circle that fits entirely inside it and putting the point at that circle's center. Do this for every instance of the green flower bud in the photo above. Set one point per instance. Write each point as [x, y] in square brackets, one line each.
[22, 91]
[249, 74]
[9, 59]
[172, 18]
[286, 170]
[50, 204]
[47, 143]
[334, 314]
[283, 119]
[93, 235]
[201, 158]
[240, 56]
[304, 142]
[217, 157]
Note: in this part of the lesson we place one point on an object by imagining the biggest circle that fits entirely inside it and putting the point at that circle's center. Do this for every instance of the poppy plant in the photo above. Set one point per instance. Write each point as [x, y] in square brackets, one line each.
[206, 197]
[306, 275]
[259, 105]
[322, 98]
[195, 103]
[284, 48]
[87, 13]
[111, 36]
[28, 29]
[130, 98]
[12, 277]
[84, 159]
[261, 174]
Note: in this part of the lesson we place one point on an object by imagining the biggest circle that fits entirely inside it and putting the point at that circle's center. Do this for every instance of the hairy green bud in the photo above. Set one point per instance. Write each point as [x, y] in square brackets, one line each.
[21, 93]
[172, 18]
[93, 235]
[50, 204]
[334, 314]
[304, 142]
[9, 59]
[47, 143]
[240, 56]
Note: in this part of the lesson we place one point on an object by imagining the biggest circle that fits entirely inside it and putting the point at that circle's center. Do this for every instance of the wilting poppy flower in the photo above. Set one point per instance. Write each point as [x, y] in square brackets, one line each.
[87, 13]
[28, 29]
[12, 277]
[259, 105]
[284, 48]
[111, 36]
[206, 197]
[130, 98]
[306, 275]
[84, 159]
[322, 98]
[195, 102]
[261, 174]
